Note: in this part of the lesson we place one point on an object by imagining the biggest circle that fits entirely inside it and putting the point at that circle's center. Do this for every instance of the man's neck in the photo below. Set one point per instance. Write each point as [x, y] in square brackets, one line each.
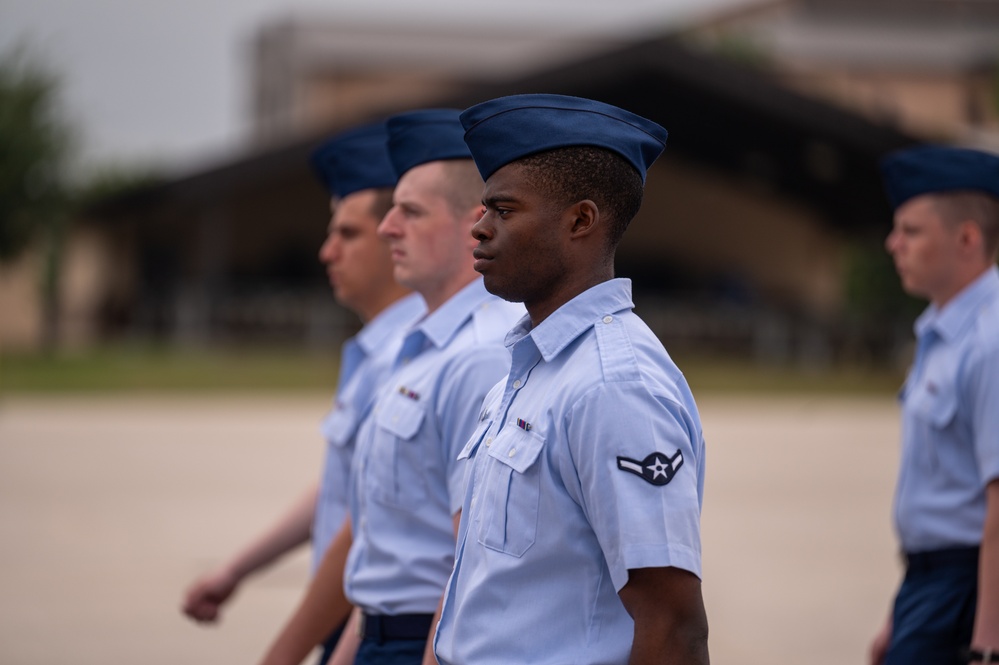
[379, 304]
[436, 297]
[541, 310]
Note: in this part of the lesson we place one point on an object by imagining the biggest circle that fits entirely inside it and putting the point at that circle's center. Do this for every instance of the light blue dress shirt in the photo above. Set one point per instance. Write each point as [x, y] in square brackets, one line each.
[365, 361]
[950, 421]
[406, 482]
[588, 461]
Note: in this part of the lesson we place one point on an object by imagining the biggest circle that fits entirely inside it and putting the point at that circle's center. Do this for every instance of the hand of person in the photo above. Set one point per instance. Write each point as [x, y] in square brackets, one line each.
[879, 646]
[204, 599]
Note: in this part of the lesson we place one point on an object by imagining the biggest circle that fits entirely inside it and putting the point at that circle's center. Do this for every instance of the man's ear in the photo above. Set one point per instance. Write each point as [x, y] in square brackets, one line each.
[970, 238]
[584, 217]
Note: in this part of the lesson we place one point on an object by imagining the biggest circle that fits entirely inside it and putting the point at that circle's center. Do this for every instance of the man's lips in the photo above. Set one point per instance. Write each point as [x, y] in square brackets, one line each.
[481, 259]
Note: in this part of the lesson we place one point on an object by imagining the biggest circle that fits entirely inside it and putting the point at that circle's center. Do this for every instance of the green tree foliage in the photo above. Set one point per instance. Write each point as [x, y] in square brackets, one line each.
[34, 144]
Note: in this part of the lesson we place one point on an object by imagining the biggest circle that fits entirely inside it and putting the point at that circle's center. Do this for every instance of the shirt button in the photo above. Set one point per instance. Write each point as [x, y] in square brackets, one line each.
[395, 419]
[608, 319]
[513, 451]
[489, 441]
[517, 383]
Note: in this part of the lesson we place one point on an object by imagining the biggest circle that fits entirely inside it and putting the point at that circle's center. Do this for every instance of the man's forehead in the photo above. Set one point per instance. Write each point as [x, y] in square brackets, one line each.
[422, 182]
[354, 210]
[918, 208]
[508, 180]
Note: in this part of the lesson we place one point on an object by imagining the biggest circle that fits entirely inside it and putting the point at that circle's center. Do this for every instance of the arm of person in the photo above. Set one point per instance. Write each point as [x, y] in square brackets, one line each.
[671, 627]
[350, 639]
[323, 608]
[429, 657]
[986, 632]
[879, 646]
[983, 391]
[204, 599]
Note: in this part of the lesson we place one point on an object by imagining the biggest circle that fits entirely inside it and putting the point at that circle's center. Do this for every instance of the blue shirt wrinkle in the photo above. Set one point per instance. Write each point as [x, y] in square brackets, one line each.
[950, 421]
[406, 482]
[560, 501]
[365, 360]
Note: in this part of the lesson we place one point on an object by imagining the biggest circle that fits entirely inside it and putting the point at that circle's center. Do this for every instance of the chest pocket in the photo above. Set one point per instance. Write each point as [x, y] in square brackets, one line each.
[474, 441]
[934, 403]
[396, 465]
[511, 491]
[339, 429]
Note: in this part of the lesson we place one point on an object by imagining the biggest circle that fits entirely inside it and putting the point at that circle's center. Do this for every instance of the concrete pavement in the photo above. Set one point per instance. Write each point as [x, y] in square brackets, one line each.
[110, 506]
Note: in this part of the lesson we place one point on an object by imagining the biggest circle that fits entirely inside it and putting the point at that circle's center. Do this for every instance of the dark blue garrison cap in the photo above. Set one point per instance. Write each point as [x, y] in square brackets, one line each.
[429, 135]
[503, 130]
[933, 168]
[354, 160]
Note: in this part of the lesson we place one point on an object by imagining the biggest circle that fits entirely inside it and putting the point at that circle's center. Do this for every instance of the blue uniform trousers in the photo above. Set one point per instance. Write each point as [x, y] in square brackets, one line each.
[935, 608]
[395, 652]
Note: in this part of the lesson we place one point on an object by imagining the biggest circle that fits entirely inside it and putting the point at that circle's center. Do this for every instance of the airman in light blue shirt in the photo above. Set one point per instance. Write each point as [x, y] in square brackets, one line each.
[945, 242]
[405, 478]
[950, 421]
[580, 533]
[356, 169]
[365, 362]
[588, 462]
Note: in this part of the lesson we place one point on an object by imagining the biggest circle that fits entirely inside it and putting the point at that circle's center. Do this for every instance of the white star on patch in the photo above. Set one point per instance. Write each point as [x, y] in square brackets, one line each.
[658, 468]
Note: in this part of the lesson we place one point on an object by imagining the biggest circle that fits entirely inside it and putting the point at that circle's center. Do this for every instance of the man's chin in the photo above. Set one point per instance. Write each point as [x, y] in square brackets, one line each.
[404, 278]
[498, 289]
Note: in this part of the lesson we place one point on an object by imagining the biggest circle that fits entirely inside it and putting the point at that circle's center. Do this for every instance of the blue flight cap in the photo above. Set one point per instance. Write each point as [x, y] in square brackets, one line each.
[428, 135]
[354, 160]
[506, 129]
[934, 168]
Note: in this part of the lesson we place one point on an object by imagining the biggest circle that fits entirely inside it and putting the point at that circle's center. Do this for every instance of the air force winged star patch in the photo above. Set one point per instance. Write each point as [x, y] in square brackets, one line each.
[657, 468]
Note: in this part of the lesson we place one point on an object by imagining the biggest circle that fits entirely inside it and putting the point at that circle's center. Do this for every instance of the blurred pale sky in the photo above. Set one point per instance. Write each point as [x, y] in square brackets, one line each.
[165, 82]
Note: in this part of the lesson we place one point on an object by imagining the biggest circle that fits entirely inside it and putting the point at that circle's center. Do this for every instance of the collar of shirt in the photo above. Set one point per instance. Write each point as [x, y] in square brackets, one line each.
[574, 318]
[950, 321]
[376, 336]
[441, 325]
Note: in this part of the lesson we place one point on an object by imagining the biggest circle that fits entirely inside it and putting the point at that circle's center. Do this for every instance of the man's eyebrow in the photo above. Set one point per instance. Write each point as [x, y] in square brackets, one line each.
[491, 201]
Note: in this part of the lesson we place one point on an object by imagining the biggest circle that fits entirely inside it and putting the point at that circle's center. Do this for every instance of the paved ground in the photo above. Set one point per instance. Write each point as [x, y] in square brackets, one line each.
[109, 507]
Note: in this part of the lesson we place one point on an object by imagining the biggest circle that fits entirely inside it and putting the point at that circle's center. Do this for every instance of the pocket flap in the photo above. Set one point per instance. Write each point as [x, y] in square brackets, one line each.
[401, 416]
[473, 441]
[936, 403]
[339, 426]
[516, 447]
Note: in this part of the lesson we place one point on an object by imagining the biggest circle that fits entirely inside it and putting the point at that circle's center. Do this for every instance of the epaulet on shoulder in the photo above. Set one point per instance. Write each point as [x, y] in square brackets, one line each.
[617, 356]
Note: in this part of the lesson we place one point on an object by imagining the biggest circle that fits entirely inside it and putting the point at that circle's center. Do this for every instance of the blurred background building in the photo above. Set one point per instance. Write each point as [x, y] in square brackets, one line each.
[763, 222]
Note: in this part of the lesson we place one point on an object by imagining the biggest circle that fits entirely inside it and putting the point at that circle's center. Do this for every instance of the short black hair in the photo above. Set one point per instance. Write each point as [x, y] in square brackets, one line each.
[569, 175]
[972, 205]
[462, 186]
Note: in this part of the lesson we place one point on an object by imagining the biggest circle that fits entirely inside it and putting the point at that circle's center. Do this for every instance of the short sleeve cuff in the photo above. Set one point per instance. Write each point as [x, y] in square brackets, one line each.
[655, 556]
